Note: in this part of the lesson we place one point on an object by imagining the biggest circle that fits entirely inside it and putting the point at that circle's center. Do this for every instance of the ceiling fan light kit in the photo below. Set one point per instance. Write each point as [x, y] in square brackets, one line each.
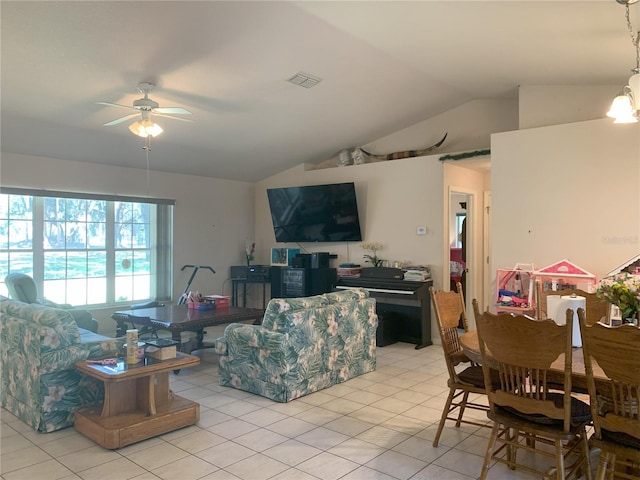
[145, 128]
[625, 108]
[146, 107]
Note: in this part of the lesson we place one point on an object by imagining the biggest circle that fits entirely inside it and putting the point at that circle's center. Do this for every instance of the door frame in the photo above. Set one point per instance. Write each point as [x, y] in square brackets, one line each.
[471, 284]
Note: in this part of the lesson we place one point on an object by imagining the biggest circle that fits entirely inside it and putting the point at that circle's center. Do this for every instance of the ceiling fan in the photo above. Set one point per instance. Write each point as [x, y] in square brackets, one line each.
[145, 108]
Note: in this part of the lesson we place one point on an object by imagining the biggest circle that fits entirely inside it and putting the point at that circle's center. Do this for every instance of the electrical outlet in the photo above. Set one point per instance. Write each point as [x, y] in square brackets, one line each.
[421, 231]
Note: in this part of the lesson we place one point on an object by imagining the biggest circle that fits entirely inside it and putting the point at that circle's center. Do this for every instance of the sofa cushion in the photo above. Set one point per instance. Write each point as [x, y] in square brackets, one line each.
[274, 315]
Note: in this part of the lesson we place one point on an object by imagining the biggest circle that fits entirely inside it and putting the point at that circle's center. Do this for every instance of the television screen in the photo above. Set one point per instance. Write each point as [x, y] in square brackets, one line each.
[315, 213]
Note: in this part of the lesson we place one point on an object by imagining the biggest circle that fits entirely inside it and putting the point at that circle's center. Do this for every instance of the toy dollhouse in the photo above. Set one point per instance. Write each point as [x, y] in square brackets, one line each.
[565, 275]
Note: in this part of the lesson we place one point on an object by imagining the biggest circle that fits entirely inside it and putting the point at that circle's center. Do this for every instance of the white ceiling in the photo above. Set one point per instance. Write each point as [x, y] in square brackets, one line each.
[384, 66]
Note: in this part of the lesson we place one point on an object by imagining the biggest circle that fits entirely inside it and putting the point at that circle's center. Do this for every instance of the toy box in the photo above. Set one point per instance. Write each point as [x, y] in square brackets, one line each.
[206, 305]
[220, 301]
[514, 289]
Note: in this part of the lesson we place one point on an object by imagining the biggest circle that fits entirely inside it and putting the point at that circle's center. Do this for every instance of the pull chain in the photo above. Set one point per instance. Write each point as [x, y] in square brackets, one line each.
[147, 149]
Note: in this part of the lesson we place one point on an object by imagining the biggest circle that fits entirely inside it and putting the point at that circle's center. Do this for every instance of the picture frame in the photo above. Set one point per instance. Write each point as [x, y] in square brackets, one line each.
[283, 257]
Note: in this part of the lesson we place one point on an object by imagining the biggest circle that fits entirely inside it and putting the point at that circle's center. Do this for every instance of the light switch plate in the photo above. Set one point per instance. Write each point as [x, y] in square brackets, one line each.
[421, 231]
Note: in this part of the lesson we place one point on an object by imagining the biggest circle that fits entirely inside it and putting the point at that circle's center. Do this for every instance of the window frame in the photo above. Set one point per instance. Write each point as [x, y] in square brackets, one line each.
[160, 248]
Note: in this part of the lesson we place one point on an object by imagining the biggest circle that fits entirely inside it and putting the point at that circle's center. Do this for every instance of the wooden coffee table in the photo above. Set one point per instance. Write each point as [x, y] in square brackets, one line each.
[179, 318]
[138, 403]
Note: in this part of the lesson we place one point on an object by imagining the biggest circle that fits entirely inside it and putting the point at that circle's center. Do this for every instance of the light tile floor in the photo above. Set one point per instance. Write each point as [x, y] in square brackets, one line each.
[377, 426]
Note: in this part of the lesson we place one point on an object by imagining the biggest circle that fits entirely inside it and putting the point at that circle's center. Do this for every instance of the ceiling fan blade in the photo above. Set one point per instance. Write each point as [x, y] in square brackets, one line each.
[110, 104]
[170, 116]
[121, 119]
[172, 110]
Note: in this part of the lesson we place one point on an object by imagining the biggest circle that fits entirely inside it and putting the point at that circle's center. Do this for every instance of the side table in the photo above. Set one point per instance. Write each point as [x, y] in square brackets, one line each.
[138, 403]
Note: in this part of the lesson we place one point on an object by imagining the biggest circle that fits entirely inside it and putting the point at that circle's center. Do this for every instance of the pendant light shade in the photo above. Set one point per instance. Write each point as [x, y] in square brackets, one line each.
[144, 128]
[626, 106]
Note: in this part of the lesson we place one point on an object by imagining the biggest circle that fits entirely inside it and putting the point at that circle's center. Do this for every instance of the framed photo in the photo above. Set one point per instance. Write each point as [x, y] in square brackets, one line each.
[282, 257]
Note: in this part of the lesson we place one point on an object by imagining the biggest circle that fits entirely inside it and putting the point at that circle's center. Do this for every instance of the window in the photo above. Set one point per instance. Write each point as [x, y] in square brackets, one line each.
[86, 250]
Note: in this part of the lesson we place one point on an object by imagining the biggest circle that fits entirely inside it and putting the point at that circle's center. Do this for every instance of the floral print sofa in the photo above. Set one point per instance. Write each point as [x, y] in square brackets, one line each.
[39, 347]
[303, 345]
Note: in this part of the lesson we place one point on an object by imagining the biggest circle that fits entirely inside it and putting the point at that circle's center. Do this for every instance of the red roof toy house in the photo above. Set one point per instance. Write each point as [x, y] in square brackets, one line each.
[565, 275]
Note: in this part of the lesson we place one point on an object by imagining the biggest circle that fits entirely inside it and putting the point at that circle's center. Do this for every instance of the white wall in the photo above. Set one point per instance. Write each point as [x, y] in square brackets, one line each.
[212, 217]
[469, 127]
[541, 106]
[394, 198]
[567, 191]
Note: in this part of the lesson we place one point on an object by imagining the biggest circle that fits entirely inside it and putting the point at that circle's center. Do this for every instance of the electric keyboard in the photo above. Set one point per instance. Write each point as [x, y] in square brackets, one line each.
[403, 308]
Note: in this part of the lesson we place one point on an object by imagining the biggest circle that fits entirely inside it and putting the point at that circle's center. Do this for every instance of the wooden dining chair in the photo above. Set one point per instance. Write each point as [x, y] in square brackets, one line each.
[450, 312]
[615, 402]
[597, 309]
[527, 413]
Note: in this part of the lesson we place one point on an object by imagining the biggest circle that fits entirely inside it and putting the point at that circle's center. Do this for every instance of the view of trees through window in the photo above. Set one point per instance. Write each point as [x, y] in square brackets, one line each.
[81, 251]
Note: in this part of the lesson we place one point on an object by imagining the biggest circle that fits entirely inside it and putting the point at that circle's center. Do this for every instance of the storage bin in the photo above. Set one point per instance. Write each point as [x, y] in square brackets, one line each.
[201, 305]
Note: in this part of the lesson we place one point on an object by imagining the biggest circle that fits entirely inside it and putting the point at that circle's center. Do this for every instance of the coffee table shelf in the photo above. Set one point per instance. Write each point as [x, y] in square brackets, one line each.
[138, 403]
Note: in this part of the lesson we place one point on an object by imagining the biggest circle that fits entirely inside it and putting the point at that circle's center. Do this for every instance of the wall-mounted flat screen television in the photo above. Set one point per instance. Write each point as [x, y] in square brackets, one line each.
[315, 213]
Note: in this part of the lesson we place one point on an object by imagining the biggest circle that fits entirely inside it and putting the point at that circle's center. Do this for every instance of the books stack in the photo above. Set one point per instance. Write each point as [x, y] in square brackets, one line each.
[349, 270]
[417, 274]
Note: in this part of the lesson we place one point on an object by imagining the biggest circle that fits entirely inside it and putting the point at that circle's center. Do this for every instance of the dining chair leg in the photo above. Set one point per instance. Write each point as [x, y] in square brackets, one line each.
[603, 463]
[462, 406]
[512, 447]
[487, 455]
[611, 465]
[445, 414]
[559, 460]
[586, 462]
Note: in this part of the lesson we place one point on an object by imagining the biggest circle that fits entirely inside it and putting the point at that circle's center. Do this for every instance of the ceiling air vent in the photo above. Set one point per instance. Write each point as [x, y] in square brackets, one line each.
[304, 80]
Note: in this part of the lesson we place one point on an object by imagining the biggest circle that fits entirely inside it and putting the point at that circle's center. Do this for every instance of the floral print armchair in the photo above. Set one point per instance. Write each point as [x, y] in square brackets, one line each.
[39, 347]
[303, 345]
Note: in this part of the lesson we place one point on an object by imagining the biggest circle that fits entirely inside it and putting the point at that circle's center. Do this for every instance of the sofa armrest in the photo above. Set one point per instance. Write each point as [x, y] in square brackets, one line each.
[51, 328]
[65, 358]
[260, 352]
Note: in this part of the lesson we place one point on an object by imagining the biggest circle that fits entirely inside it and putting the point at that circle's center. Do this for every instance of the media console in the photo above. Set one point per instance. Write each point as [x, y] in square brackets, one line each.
[286, 282]
[290, 282]
[241, 276]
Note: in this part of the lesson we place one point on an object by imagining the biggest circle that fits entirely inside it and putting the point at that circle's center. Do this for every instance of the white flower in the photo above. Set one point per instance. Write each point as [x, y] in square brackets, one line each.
[373, 246]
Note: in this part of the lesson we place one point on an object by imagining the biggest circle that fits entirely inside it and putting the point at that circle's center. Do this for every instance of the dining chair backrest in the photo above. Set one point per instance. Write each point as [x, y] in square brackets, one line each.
[615, 402]
[522, 351]
[449, 310]
[597, 308]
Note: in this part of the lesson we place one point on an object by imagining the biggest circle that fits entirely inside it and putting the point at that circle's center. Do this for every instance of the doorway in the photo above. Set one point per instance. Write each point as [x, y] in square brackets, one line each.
[468, 182]
[461, 241]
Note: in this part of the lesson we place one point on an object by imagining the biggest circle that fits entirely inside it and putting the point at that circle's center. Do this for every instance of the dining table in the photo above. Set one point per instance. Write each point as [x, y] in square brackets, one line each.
[471, 346]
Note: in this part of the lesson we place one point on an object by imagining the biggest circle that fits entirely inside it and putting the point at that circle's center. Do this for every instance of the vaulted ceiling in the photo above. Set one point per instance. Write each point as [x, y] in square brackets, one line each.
[383, 65]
